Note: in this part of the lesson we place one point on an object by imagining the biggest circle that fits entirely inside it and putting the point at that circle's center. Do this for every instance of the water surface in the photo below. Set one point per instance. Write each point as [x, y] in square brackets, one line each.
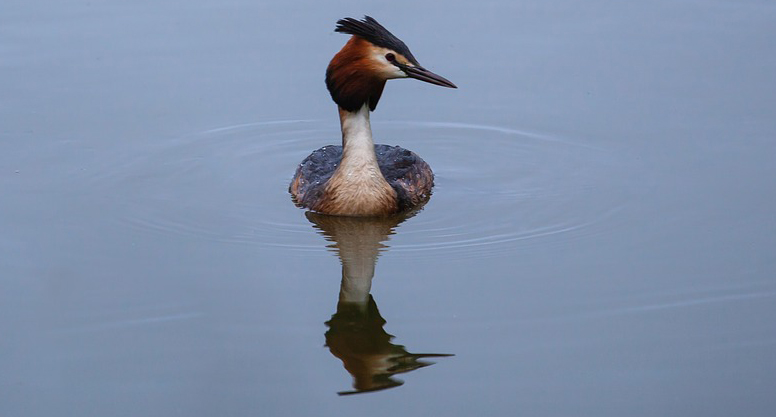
[600, 240]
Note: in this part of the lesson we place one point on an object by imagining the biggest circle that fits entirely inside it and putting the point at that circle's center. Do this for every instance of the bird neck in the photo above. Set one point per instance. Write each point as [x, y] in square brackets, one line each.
[358, 147]
[357, 187]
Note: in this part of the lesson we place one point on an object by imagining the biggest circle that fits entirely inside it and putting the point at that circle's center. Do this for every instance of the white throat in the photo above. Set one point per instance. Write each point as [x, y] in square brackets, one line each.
[357, 134]
[357, 187]
[358, 148]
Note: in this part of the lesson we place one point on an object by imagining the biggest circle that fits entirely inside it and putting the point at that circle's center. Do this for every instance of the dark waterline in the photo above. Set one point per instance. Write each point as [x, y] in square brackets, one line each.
[600, 239]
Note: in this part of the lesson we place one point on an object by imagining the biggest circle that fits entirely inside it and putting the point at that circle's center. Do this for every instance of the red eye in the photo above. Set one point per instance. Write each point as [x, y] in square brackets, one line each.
[390, 57]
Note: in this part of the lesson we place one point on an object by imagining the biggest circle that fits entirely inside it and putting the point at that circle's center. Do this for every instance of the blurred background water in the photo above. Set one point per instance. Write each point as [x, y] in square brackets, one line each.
[600, 240]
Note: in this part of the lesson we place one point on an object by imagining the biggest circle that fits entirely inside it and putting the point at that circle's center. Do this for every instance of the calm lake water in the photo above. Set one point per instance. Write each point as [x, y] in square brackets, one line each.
[601, 239]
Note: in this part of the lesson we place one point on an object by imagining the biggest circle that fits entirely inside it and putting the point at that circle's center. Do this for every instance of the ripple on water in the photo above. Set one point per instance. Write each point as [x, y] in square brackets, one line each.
[496, 188]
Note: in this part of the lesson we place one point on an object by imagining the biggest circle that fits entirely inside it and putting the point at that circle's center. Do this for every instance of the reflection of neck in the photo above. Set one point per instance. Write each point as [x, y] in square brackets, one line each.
[358, 251]
[357, 274]
[358, 242]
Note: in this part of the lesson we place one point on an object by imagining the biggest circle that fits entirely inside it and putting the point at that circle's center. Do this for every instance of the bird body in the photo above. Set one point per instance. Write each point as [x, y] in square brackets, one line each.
[360, 178]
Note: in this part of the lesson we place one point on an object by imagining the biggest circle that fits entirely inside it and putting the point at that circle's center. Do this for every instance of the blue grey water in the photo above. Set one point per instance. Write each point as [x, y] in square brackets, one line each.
[600, 241]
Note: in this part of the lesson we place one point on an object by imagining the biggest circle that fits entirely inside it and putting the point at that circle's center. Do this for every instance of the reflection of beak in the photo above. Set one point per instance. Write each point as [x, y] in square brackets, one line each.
[422, 74]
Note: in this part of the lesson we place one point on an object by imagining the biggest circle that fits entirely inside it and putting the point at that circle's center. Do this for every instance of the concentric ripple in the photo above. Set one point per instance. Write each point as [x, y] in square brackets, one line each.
[496, 187]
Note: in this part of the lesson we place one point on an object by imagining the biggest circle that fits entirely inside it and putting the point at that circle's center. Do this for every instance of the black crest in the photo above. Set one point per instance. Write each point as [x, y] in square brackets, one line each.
[369, 29]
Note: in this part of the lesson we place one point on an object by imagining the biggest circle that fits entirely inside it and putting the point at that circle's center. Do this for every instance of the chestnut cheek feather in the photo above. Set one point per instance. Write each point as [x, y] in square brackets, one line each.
[351, 78]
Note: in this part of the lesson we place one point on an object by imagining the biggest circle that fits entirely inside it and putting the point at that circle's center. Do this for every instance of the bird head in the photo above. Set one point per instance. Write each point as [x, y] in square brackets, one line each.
[357, 73]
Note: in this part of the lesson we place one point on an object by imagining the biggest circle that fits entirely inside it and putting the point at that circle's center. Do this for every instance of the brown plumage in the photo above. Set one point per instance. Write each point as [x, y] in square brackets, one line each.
[360, 178]
[352, 78]
[409, 177]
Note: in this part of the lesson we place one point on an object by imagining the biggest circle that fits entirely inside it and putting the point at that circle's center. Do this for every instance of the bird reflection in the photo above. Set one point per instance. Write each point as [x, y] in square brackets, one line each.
[356, 335]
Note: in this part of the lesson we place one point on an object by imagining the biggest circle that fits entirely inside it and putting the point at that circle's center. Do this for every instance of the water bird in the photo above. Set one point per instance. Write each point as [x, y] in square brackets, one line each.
[360, 178]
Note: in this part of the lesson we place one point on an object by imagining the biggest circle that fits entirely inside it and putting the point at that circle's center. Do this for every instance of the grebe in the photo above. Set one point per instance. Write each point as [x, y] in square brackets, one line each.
[360, 178]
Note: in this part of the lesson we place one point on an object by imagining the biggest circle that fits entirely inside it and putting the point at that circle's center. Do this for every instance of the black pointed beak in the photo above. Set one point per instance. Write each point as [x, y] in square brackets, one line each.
[422, 74]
